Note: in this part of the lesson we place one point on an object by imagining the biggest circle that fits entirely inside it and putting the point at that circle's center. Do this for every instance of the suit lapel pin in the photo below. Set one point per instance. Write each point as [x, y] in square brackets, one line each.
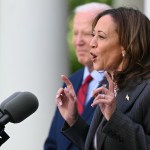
[127, 97]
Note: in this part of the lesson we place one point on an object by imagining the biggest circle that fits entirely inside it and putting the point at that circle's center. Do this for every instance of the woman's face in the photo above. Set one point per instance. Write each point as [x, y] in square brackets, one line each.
[106, 51]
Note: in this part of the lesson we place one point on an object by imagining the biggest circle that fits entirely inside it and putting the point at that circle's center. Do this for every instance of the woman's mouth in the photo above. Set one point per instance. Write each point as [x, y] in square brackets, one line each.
[93, 57]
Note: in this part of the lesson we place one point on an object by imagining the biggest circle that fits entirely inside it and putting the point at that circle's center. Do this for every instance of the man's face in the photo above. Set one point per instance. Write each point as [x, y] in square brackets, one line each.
[82, 35]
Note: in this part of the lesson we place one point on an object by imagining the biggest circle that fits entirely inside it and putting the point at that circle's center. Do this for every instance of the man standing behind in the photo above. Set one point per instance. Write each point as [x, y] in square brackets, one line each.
[82, 29]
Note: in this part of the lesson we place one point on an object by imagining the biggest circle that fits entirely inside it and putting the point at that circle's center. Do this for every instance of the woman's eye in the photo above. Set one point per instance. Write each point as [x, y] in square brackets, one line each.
[101, 37]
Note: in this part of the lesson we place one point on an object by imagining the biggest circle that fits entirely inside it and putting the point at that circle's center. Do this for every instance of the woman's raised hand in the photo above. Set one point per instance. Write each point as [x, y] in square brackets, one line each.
[105, 98]
[66, 101]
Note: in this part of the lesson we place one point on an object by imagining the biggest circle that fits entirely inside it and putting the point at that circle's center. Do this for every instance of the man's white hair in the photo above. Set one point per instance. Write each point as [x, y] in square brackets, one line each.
[93, 6]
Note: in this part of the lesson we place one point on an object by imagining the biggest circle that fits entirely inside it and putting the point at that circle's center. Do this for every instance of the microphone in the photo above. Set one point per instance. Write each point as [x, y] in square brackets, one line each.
[18, 107]
[15, 109]
[7, 100]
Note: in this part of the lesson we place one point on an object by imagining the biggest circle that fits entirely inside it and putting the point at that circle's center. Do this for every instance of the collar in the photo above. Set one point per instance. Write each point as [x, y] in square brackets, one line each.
[97, 75]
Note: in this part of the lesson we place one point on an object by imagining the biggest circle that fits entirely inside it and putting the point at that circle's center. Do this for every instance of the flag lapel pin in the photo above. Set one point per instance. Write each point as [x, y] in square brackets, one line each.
[127, 97]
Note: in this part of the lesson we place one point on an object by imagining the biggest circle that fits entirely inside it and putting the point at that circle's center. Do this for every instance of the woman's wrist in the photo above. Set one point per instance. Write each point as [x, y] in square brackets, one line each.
[71, 121]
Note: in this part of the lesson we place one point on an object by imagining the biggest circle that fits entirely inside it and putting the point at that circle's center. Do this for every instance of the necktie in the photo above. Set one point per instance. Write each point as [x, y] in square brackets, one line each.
[82, 93]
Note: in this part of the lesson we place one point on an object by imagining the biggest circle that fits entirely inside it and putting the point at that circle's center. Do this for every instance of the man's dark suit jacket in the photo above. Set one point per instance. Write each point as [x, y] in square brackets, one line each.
[128, 127]
[55, 139]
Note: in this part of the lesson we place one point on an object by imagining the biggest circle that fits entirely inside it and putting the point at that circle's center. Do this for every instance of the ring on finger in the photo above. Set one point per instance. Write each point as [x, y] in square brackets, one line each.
[103, 96]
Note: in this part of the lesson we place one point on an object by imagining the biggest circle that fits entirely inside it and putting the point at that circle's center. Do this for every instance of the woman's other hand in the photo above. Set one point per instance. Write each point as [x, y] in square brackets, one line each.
[66, 101]
[105, 98]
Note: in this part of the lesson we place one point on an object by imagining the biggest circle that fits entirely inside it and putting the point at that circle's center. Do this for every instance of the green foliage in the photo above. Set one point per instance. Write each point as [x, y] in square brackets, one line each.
[74, 62]
[74, 65]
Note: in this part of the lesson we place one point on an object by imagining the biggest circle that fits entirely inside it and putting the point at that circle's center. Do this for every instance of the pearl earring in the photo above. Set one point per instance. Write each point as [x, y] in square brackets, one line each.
[123, 53]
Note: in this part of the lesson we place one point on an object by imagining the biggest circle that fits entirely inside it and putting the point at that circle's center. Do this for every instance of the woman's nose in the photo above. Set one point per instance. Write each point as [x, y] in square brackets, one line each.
[93, 43]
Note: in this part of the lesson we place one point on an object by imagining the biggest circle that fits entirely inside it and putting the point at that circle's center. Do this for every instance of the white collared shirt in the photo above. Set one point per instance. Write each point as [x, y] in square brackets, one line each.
[97, 77]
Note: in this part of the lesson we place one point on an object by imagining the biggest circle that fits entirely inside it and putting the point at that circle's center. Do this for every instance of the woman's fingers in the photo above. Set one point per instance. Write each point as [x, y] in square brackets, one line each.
[105, 98]
[66, 80]
[101, 98]
[59, 92]
[68, 84]
[59, 97]
[103, 89]
[65, 94]
[110, 81]
[69, 94]
[99, 90]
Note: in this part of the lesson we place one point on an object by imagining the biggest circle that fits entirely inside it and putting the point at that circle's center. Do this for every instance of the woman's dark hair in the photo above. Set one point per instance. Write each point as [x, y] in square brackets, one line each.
[133, 29]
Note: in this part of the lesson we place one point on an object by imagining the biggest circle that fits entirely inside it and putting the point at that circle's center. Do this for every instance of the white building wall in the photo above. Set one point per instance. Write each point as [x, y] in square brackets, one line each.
[33, 55]
[142, 5]
[129, 3]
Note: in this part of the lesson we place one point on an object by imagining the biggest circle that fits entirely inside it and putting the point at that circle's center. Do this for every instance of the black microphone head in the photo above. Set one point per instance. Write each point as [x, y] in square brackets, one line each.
[10, 98]
[21, 106]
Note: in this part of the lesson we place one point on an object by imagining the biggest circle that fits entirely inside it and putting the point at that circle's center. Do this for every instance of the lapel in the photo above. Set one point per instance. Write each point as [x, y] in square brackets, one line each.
[126, 98]
[94, 125]
[95, 121]
[100, 134]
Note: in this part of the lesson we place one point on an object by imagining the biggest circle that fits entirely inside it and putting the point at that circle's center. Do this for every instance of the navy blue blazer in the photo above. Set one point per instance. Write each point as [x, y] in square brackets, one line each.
[127, 129]
[56, 140]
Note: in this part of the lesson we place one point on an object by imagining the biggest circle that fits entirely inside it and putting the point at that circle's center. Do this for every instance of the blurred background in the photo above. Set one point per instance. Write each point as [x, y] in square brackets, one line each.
[35, 49]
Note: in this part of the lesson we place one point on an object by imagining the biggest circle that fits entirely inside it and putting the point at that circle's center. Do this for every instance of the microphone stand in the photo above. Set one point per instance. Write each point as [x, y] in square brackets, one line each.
[3, 135]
